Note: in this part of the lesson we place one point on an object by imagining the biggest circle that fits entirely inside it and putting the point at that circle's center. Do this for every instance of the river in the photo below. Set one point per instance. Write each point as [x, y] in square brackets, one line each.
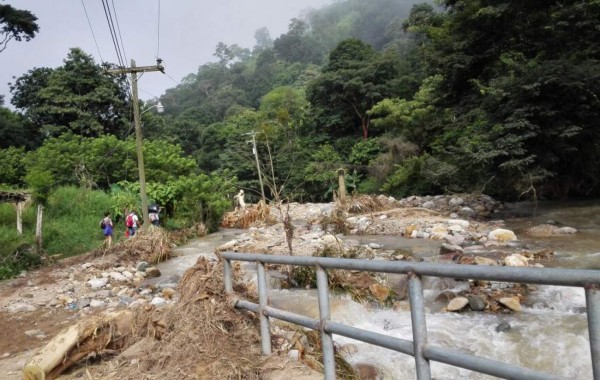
[548, 335]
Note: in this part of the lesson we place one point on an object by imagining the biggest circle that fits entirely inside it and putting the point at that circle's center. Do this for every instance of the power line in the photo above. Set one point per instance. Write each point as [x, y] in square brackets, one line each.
[92, 30]
[146, 92]
[119, 29]
[112, 34]
[171, 78]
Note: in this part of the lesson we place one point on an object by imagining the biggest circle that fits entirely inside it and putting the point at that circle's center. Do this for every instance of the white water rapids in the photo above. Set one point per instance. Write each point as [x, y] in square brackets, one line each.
[550, 335]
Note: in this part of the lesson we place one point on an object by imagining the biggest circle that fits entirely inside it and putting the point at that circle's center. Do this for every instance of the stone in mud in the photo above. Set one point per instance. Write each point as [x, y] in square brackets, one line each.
[97, 283]
[485, 261]
[126, 300]
[476, 303]
[158, 301]
[329, 239]
[227, 246]
[457, 201]
[516, 260]
[127, 274]
[566, 230]
[409, 230]
[118, 276]
[428, 204]
[466, 211]
[20, 307]
[438, 232]
[457, 240]
[457, 304]
[448, 248]
[512, 303]
[142, 266]
[152, 272]
[455, 228]
[39, 334]
[83, 302]
[97, 304]
[503, 327]
[445, 296]
[502, 235]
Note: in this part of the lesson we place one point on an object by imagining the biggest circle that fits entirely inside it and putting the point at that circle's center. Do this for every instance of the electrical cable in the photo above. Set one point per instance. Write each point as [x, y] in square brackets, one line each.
[92, 30]
[120, 51]
[115, 44]
[119, 29]
[146, 92]
[171, 78]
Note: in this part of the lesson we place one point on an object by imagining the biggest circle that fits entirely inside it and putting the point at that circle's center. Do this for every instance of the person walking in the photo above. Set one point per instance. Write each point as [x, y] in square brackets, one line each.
[107, 229]
[132, 222]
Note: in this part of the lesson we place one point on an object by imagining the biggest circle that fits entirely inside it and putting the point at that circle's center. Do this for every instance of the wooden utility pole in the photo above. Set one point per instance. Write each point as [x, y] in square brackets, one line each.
[133, 70]
[255, 151]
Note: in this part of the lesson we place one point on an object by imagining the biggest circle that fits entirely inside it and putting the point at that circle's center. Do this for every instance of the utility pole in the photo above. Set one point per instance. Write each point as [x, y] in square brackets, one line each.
[262, 188]
[133, 70]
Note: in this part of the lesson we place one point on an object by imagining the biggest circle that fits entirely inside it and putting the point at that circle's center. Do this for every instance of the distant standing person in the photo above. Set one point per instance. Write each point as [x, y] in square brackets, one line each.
[107, 228]
[132, 222]
[153, 215]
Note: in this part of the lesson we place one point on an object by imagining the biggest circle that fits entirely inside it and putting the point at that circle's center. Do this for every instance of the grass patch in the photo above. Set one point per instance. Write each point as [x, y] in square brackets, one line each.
[70, 227]
[72, 219]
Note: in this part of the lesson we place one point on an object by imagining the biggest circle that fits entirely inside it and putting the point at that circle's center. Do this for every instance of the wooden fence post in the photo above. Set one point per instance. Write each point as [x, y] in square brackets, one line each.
[341, 185]
[20, 218]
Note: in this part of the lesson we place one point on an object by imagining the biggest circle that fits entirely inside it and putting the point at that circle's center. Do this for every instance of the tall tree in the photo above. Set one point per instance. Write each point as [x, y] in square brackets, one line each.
[77, 97]
[353, 81]
[521, 79]
[16, 24]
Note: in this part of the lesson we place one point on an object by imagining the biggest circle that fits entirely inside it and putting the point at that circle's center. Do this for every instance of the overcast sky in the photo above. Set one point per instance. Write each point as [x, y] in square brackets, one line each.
[189, 32]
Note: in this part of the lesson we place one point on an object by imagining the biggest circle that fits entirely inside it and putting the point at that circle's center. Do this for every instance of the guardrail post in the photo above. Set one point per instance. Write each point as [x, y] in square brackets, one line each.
[419, 328]
[592, 301]
[324, 313]
[227, 278]
[265, 333]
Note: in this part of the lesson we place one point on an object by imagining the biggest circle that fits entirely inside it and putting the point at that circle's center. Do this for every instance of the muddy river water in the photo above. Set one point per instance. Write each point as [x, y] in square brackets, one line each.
[549, 335]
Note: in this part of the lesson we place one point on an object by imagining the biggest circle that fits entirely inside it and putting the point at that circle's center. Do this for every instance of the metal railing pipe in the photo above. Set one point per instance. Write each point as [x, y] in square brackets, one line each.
[544, 276]
[298, 319]
[227, 277]
[247, 305]
[265, 333]
[419, 348]
[484, 365]
[592, 301]
[419, 327]
[396, 344]
[324, 315]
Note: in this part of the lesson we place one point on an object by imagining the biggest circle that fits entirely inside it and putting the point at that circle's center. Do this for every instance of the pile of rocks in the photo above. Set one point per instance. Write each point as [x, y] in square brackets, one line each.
[94, 286]
[466, 205]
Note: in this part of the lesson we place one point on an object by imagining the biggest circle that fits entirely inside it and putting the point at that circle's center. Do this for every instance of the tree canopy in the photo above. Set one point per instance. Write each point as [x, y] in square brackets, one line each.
[16, 24]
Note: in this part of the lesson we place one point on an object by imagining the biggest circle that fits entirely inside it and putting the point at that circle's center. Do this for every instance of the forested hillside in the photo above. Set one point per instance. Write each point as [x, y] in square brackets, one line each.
[457, 96]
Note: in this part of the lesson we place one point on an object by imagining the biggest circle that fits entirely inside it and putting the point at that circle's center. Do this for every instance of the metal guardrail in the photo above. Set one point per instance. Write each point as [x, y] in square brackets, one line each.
[419, 348]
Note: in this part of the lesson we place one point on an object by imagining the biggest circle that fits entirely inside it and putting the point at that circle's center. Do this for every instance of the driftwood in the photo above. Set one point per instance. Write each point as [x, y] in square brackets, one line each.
[105, 334]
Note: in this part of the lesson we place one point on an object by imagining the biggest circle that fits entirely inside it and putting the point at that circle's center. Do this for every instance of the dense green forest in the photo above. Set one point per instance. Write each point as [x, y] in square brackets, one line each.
[486, 96]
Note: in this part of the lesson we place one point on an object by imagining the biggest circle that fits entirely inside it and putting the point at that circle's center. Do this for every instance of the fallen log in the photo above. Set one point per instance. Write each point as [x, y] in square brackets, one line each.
[104, 334]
